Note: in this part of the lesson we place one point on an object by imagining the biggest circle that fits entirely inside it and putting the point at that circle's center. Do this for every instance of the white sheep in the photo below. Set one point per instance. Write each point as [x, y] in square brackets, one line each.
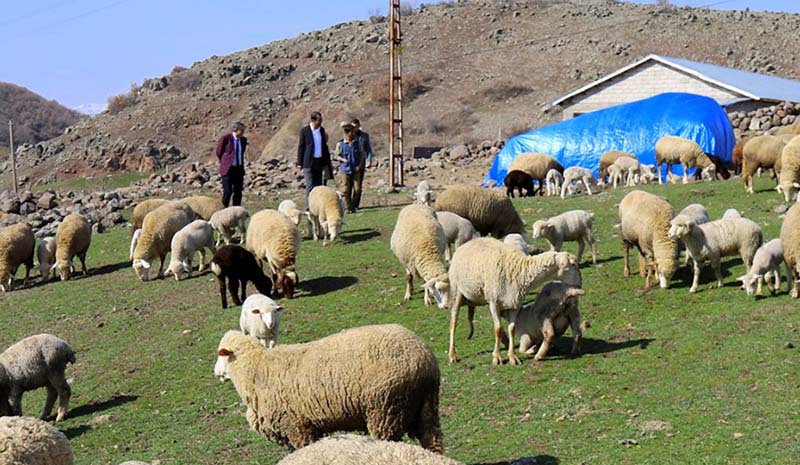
[155, 240]
[424, 193]
[273, 237]
[647, 174]
[16, 248]
[290, 209]
[697, 213]
[457, 231]
[227, 221]
[575, 225]
[517, 240]
[46, 255]
[790, 241]
[195, 237]
[731, 213]
[541, 323]
[629, 168]
[789, 178]
[261, 318]
[615, 175]
[351, 449]
[766, 267]
[28, 441]
[326, 213]
[673, 150]
[554, 180]
[578, 174]
[73, 237]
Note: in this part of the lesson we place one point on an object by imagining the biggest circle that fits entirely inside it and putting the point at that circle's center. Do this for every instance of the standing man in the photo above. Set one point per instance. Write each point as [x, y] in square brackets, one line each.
[313, 155]
[365, 149]
[230, 153]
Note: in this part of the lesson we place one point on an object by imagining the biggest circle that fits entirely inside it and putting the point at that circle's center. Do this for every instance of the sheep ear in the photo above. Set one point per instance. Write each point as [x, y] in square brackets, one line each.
[277, 308]
[430, 284]
[575, 291]
[255, 311]
[224, 352]
[796, 185]
[741, 278]
[779, 188]
[145, 264]
[563, 261]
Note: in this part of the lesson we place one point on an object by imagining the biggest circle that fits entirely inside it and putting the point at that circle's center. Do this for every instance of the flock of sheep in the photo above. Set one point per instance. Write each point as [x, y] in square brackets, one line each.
[384, 379]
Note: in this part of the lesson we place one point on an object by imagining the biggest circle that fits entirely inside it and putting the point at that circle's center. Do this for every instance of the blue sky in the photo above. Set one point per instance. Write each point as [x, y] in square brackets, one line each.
[80, 52]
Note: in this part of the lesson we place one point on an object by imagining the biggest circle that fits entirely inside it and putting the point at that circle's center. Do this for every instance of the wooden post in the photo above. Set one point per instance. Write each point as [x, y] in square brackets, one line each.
[13, 156]
[395, 98]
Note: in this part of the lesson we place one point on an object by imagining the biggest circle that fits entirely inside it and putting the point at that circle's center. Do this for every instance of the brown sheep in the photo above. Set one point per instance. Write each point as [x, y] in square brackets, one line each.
[760, 152]
[490, 212]
[536, 165]
[607, 159]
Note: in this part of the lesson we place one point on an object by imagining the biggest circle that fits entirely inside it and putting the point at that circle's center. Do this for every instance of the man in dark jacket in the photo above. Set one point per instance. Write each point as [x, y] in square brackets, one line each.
[230, 153]
[365, 149]
[313, 155]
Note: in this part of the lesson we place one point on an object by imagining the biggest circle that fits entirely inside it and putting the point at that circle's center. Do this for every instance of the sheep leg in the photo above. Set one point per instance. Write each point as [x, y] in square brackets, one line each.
[409, 285]
[243, 283]
[577, 334]
[777, 276]
[470, 318]
[15, 401]
[549, 333]
[626, 270]
[696, 278]
[202, 264]
[451, 351]
[660, 181]
[52, 395]
[759, 282]
[588, 187]
[161, 267]
[497, 359]
[593, 244]
[685, 175]
[222, 291]
[512, 324]
[233, 286]
[643, 268]
[715, 262]
[82, 258]
[64, 392]
[580, 249]
[564, 189]
[447, 253]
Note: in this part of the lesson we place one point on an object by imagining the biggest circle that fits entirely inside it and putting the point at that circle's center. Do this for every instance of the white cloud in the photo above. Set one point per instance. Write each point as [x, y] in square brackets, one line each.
[90, 108]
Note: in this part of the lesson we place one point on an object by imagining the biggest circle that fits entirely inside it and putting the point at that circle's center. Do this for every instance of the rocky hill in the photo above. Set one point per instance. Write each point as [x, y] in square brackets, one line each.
[474, 71]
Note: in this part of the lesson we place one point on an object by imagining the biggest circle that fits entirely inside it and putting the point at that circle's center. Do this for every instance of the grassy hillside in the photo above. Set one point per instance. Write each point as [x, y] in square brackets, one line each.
[664, 376]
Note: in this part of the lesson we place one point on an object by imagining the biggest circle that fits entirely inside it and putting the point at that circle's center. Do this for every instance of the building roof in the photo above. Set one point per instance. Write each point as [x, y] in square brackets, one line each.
[749, 85]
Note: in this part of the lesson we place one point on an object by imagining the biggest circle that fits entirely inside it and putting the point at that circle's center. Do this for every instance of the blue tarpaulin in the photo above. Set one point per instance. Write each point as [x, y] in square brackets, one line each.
[633, 127]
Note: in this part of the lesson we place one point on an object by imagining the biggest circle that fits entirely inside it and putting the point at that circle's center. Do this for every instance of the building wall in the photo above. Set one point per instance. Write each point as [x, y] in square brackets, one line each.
[645, 81]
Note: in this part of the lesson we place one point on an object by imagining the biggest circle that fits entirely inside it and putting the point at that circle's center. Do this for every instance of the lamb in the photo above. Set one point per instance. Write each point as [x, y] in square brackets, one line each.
[46, 255]
[491, 212]
[196, 236]
[673, 150]
[380, 379]
[789, 179]
[790, 240]
[141, 210]
[238, 265]
[647, 174]
[28, 441]
[760, 152]
[766, 266]
[16, 248]
[228, 220]
[457, 231]
[351, 449]
[537, 165]
[629, 167]
[518, 180]
[518, 241]
[424, 193]
[203, 206]
[607, 159]
[576, 173]
[575, 225]
[325, 213]
[731, 213]
[714, 240]
[156, 237]
[644, 224]
[699, 215]
[289, 208]
[485, 271]
[34, 362]
[554, 181]
[615, 175]
[261, 318]
[418, 241]
[541, 323]
[273, 237]
[73, 237]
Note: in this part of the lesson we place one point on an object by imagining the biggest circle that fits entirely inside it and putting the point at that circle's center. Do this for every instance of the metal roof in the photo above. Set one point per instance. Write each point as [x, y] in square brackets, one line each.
[751, 85]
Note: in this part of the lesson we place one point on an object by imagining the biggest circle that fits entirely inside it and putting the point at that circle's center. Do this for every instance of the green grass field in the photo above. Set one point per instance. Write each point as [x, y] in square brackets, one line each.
[664, 377]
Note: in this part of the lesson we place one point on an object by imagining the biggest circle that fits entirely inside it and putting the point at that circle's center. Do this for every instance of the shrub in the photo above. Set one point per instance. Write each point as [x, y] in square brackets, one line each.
[184, 80]
[504, 91]
[413, 87]
[119, 102]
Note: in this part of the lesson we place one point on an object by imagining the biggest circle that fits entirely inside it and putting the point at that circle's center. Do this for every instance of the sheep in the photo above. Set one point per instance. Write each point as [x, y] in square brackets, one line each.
[554, 181]
[290, 209]
[485, 271]
[16, 248]
[615, 175]
[380, 379]
[73, 237]
[738, 155]
[541, 323]
[238, 265]
[457, 230]
[491, 212]
[790, 241]
[203, 206]
[228, 220]
[261, 318]
[351, 449]
[28, 441]
[644, 224]
[714, 240]
[629, 168]
[789, 179]
[518, 241]
[156, 237]
[673, 150]
[418, 241]
[537, 165]
[196, 236]
[699, 215]
[576, 173]
[731, 213]
[424, 193]
[46, 255]
[325, 213]
[647, 174]
[760, 152]
[141, 210]
[766, 266]
[134, 241]
[607, 159]
[574, 225]
[518, 180]
[34, 362]
[273, 237]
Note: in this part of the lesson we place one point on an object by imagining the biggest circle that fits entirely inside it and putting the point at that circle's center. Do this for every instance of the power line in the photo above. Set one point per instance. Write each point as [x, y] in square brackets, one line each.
[33, 13]
[66, 20]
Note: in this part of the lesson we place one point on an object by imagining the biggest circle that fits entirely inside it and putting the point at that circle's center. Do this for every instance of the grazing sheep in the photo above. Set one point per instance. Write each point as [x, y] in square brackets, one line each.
[203, 206]
[577, 174]
[424, 193]
[537, 165]
[629, 168]
[196, 236]
[699, 215]
[554, 180]
[615, 175]
[35, 362]
[28, 441]
[575, 225]
[607, 159]
[541, 323]
[647, 174]
[156, 237]
[351, 449]
[16, 248]
[738, 155]
[673, 150]
[518, 241]
[46, 255]
[766, 267]
[261, 318]
[790, 240]
[760, 152]
[485, 271]
[141, 210]
[73, 237]
[228, 220]
[418, 241]
[491, 212]
[518, 180]
[134, 241]
[325, 213]
[380, 379]
[457, 230]
[789, 179]
[290, 209]
[714, 240]
[644, 224]
[238, 265]
[273, 237]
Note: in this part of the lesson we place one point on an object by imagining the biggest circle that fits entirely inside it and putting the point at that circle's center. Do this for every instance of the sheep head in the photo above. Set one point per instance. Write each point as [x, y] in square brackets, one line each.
[439, 287]
[540, 229]
[568, 269]
[270, 316]
[6, 281]
[680, 227]
[65, 269]
[142, 268]
[286, 282]
[749, 282]
[44, 270]
[224, 357]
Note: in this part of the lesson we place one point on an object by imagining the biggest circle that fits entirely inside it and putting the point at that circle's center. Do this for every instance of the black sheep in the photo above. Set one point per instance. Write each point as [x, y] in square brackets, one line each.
[518, 180]
[238, 265]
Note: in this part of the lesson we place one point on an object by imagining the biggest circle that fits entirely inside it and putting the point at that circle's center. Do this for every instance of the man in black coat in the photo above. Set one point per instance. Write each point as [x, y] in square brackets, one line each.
[313, 155]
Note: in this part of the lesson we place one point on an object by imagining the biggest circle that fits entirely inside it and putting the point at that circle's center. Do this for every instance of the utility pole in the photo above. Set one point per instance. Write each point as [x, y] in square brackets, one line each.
[395, 98]
[13, 155]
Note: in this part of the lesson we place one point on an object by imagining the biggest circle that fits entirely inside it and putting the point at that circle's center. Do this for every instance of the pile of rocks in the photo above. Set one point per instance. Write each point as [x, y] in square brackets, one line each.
[261, 176]
[759, 121]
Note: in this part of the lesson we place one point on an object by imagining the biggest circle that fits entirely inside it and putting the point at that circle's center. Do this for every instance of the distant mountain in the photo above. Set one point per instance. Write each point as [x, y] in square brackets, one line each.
[35, 118]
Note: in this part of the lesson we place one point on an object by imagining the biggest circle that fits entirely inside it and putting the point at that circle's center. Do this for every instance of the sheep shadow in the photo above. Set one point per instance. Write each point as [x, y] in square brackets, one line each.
[685, 274]
[591, 346]
[587, 260]
[110, 268]
[359, 235]
[36, 281]
[326, 284]
[75, 431]
[542, 459]
[94, 407]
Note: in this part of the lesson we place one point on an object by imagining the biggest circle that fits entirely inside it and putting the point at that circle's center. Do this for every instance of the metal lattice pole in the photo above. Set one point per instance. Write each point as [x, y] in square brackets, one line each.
[395, 98]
